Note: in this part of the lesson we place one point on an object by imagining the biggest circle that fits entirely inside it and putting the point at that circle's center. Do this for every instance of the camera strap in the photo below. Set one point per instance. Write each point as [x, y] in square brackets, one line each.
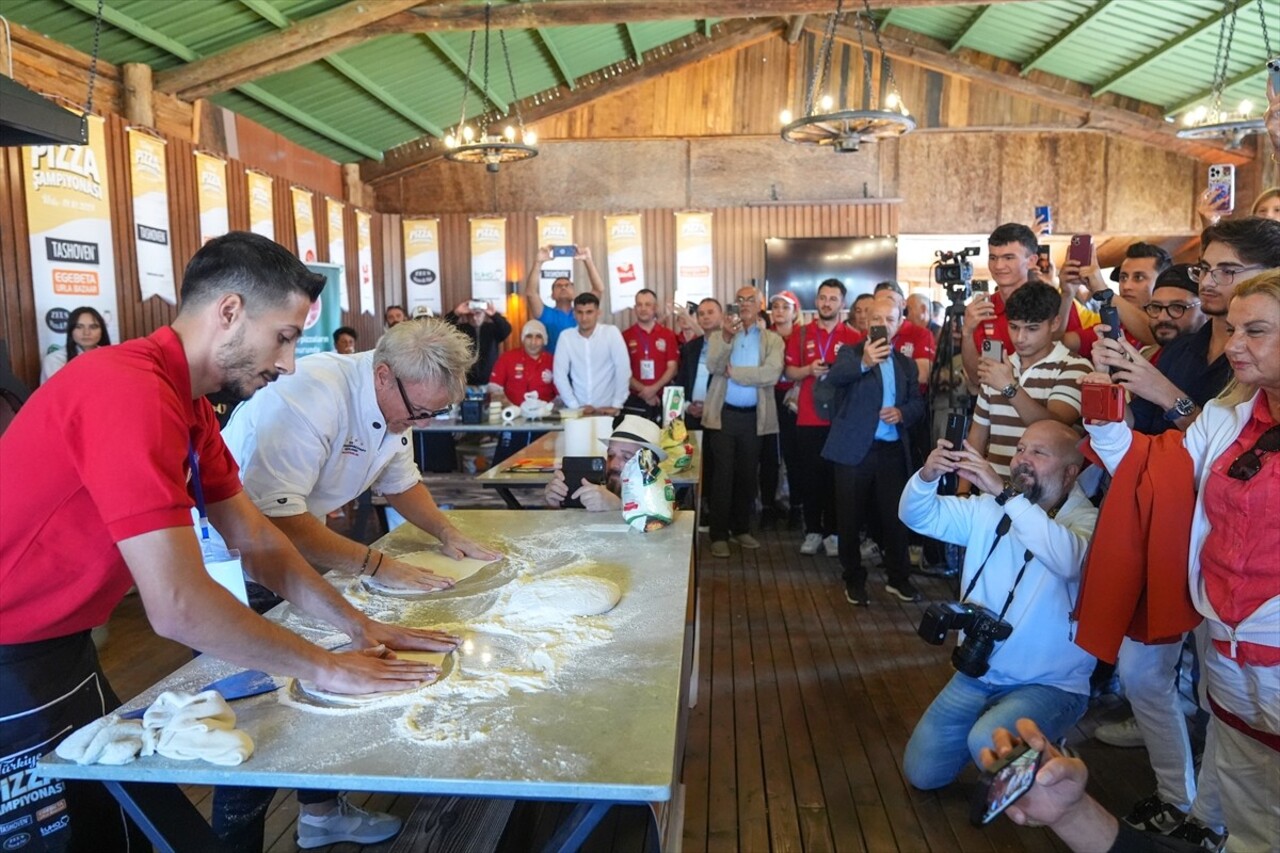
[1001, 529]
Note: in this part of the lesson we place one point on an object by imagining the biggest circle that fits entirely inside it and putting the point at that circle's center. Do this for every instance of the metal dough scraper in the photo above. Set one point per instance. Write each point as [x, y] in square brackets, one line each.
[240, 685]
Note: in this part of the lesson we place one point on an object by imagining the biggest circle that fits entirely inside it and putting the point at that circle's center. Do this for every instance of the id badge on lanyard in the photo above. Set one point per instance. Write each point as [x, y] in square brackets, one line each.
[647, 371]
[223, 565]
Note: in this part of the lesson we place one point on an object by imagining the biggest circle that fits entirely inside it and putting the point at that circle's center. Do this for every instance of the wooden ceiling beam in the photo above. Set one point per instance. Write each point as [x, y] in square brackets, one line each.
[660, 61]
[1096, 115]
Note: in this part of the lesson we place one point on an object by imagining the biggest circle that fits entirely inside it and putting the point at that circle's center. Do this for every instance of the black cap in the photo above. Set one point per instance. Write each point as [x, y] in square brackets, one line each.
[1178, 276]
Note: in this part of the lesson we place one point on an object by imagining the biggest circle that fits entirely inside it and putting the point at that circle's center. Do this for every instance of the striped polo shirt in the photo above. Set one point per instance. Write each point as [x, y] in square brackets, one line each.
[1054, 377]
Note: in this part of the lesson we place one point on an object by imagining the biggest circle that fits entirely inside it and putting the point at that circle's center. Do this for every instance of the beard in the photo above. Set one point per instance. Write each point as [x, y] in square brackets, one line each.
[236, 362]
[1025, 479]
[1165, 332]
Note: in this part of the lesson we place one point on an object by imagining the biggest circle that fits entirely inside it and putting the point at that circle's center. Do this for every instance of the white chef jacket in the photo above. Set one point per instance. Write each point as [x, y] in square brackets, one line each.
[594, 371]
[313, 441]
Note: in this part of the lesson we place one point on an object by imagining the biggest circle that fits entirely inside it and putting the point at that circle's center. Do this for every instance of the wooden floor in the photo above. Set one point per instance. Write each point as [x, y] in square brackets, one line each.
[796, 743]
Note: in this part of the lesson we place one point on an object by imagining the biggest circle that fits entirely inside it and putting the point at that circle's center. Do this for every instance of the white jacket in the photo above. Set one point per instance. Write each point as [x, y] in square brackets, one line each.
[1252, 693]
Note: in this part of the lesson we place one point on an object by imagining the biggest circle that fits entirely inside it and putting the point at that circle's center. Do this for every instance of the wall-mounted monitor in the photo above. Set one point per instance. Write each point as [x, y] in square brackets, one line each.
[800, 264]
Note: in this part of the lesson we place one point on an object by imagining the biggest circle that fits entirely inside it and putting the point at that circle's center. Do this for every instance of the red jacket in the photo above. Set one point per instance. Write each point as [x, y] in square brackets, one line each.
[1134, 581]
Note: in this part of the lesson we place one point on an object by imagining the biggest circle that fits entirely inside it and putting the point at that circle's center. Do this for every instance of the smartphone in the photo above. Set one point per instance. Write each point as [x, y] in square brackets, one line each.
[692, 308]
[1273, 75]
[564, 251]
[993, 348]
[980, 285]
[1100, 401]
[957, 432]
[1042, 259]
[579, 468]
[1081, 249]
[1222, 185]
[1002, 785]
[1044, 214]
[731, 309]
[879, 333]
[478, 304]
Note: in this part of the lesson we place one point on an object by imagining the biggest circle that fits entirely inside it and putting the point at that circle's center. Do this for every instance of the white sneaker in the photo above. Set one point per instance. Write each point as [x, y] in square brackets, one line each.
[832, 545]
[812, 542]
[1124, 733]
[345, 823]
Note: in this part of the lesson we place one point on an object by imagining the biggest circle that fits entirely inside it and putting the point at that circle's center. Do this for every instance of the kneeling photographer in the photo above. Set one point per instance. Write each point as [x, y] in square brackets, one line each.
[1026, 544]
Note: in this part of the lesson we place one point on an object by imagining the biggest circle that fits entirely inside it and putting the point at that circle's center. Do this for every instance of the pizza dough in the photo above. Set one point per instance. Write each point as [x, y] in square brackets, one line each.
[434, 562]
[547, 601]
[309, 690]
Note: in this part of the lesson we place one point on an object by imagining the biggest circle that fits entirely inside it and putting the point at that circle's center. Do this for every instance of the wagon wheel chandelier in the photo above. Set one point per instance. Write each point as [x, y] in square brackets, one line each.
[1213, 121]
[481, 143]
[844, 130]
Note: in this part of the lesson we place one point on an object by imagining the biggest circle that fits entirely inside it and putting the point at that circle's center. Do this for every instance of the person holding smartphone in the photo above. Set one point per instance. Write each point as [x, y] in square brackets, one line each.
[560, 315]
[480, 321]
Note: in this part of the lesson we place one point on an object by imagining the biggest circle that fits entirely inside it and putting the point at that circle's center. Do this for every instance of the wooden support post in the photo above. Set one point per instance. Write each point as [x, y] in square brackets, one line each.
[353, 188]
[138, 94]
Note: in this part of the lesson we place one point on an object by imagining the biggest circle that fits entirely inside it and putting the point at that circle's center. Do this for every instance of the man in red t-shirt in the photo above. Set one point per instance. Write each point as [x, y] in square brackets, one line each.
[1136, 275]
[810, 351]
[96, 496]
[519, 372]
[655, 356]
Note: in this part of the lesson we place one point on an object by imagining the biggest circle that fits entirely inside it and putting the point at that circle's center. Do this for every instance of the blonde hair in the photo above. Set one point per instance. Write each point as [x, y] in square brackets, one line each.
[427, 350]
[1263, 284]
[1263, 198]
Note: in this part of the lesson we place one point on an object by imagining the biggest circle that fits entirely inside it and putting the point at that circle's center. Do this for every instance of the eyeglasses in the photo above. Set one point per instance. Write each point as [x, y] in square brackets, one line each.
[747, 300]
[1220, 277]
[408, 407]
[1249, 463]
[1175, 310]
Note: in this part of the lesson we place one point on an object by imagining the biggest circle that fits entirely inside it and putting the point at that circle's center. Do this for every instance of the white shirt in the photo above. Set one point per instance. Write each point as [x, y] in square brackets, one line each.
[315, 440]
[594, 371]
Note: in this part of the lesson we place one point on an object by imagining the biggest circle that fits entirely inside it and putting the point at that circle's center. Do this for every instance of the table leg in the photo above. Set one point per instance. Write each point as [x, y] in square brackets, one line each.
[509, 498]
[577, 827]
[166, 816]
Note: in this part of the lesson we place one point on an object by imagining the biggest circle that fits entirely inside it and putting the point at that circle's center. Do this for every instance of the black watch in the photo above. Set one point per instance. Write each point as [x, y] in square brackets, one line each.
[1007, 495]
[1010, 391]
[1182, 407]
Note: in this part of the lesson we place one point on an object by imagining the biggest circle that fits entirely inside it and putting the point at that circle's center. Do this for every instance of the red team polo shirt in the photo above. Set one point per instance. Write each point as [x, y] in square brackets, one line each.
[1001, 325]
[659, 346]
[916, 342]
[519, 374]
[98, 455]
[816, 344]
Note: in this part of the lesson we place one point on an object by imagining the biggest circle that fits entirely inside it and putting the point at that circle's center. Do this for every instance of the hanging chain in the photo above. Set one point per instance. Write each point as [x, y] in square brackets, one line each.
[1228, 29]
[822, 63]
[93, 59]
[867, 81]
[885, 61]
[511, 78]
[466, 84]
[484, 93]
[1266, 37]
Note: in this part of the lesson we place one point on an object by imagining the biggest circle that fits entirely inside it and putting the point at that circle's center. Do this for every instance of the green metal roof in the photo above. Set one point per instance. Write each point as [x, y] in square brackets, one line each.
[373, 96]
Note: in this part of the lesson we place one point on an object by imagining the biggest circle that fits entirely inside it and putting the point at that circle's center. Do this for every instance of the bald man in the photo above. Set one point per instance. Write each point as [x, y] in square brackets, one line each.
[1026, 544]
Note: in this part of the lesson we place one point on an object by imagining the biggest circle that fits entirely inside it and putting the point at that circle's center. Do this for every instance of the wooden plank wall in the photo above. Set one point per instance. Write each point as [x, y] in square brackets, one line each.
[136, 317]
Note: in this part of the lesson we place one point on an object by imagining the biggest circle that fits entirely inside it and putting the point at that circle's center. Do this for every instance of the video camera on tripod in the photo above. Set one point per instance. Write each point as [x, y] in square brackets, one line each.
[954, 272]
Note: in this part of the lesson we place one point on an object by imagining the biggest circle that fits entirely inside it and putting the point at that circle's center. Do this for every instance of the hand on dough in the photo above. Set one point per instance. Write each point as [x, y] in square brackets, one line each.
[371, 671]
[456, 545]
[400, 575]
[401, 637]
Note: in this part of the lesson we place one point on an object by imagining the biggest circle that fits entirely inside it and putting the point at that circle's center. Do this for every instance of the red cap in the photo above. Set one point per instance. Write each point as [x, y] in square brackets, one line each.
[787, 295]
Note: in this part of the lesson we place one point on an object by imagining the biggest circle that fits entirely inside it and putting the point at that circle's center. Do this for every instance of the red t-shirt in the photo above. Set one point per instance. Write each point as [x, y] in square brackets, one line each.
[1000, 326]
[1238, 560]
[1089, 337]
[807, 344]
[99, 455]
[659, 346]
[916, 342]
[519, 374]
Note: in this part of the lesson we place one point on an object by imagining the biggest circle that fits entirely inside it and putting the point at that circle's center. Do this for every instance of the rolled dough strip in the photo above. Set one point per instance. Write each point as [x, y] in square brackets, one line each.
[309, 690]
[434, 562]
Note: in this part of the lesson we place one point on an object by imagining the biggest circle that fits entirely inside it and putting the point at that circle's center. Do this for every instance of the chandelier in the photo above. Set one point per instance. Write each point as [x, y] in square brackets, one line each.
[844, 130]
[481, 143]
[1213, 121]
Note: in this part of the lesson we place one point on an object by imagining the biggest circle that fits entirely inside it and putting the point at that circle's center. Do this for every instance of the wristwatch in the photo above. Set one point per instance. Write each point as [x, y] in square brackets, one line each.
[1007, 495]
[1010, 391]
[1182, 408]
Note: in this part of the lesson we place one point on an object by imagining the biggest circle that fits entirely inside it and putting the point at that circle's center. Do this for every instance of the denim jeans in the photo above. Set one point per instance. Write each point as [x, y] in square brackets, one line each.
[960, 720]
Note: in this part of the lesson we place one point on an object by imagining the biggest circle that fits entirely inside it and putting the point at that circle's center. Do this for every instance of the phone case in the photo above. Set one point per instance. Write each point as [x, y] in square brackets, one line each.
[1081, 249]
[993, 349]
[1222, 183]
[1102, 402]
[1003, 785]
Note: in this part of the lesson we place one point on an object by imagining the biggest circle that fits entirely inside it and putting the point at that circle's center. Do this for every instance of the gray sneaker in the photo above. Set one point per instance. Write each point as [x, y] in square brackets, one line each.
[1155, 815]
[345, 823]
[1195, 832]
[746, 540]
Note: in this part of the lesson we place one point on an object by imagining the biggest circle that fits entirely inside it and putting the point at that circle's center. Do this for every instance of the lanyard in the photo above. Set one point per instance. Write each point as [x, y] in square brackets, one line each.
[1001, 529]
[198, 489]
[823, 350]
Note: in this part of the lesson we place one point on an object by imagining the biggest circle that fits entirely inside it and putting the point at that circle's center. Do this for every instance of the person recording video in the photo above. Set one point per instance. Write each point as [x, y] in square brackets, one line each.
[1026, 544]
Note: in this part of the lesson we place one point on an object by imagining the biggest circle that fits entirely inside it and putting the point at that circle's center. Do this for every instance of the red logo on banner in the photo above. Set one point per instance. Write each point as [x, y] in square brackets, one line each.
[626, 273]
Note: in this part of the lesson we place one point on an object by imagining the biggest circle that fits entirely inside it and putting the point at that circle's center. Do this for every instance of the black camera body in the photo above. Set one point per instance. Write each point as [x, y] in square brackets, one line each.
[982, 630]
[954, 272]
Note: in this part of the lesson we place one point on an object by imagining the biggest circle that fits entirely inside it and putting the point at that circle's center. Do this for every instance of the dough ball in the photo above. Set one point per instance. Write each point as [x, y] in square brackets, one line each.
[551, 600]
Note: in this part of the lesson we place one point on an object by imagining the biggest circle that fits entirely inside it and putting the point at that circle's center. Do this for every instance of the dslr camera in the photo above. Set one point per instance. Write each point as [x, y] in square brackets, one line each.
[953, 272]
[982, 629]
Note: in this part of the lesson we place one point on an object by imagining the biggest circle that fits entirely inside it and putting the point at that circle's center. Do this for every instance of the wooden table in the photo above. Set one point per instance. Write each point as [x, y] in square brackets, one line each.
[611, 733]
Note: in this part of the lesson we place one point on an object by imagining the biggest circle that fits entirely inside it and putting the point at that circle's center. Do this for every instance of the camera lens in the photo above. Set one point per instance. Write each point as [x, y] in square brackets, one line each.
[970, 657]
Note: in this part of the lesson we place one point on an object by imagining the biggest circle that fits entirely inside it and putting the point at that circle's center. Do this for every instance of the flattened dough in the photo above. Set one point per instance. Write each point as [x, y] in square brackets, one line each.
[434, 562]
[310, 691]
[547, 601]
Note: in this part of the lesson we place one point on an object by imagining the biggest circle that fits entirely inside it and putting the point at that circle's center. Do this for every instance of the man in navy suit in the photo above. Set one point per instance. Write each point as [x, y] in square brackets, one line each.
[869, 443]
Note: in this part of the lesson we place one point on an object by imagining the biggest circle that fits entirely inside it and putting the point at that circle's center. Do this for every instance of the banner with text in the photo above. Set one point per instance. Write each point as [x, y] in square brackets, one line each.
[555, 231]
[489, 260]
[325, 315]
[693, 257]
[261, 204]
[150, 191]
[364, 260]
[304, 223]
[211, 196]
[338, 245]
[422, 264]
[625, 249]
[69, 221]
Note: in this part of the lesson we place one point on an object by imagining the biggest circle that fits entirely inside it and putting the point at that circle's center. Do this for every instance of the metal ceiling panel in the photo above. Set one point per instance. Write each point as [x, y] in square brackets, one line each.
[942, 23]
[291, 130]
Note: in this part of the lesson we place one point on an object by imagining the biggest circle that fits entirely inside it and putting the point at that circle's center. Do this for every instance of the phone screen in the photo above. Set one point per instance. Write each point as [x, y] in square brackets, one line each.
[1004, 783]
[879, 333]
[1042, 258]
[731, 309]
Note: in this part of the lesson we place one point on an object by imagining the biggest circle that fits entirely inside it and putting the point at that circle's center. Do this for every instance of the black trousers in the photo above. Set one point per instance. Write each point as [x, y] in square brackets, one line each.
[871, 489]
[817, 487]
[735, 449]
[50, 689]
[775, 448]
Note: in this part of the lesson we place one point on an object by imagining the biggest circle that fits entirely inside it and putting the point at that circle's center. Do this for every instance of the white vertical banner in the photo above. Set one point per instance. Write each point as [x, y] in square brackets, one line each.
[73, 260]
[150, 190]
[555, 231]
[338, 245]
[261, 194]
[422, 264]
[304, 223]
[694, 281]
[364, 260]
[489, 259]
[625, 250]
[211, 196]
